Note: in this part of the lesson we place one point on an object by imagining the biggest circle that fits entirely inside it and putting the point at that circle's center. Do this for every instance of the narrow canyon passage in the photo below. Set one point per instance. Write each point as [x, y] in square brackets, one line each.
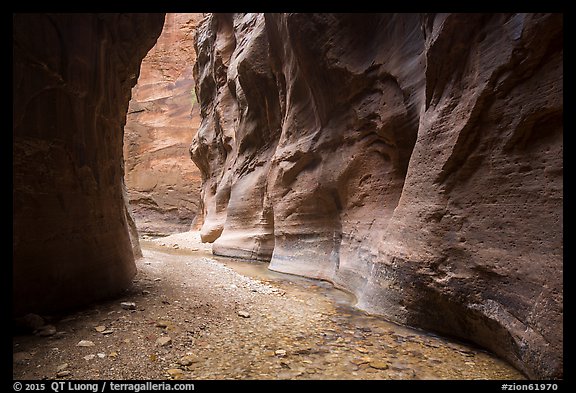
[412, 160]
[202, 317]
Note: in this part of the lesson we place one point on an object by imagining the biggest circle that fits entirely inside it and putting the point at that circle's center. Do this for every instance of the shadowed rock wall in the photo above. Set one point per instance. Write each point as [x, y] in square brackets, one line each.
[414, 160]
[72, 76]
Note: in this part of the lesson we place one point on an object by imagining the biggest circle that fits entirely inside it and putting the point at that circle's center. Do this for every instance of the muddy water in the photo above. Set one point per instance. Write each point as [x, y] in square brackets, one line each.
[377, 344]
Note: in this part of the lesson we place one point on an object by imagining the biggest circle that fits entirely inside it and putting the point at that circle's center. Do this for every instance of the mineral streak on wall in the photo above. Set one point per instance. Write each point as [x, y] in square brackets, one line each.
[72, 76]
[415, 160]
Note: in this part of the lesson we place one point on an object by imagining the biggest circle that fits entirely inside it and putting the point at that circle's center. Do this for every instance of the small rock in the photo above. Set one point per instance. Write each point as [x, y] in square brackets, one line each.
[145, 292]
[100, 328]
[175, 372]
[46, 330]
[362, 350]
[280, 352]
[187, 360]
[89, 357]
[62, 374]
[21, 357]
[379, 365]
[157, 279]
[244, 314]
[162, 324]
[175, 246]
[361, 361]
[113, 355]
[128, 305]
[31, 321]
[163, 341]
[101, 355]
[108, 331]
[58, 335]
[85, 343]
[62, 367]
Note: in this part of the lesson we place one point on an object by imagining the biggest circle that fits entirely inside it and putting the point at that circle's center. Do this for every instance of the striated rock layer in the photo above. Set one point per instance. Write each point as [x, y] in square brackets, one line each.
[72, 77]
[414, 160]
[163, 184]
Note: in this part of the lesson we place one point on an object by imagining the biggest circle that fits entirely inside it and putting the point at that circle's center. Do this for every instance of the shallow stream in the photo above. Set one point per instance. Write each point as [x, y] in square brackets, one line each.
[372, 344]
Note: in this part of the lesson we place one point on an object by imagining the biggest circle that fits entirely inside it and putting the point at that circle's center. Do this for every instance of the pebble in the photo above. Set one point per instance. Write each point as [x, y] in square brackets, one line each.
[58, 336]
[163, 341]
[280, 352]
[31, 321]
[62, 367]
[361, 361]
[244, 314]
[162, 324]
[46, 330]
[128, 305]
[89, 357]
[187, 360]
[175, 372]
[145, 292]
[100, 328]
[61, 374]
[85, 343]
[379, 365]
[21, 357]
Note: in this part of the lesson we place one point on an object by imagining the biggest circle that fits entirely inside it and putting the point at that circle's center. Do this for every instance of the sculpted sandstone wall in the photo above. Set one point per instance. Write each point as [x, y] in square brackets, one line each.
[72, 76]
[163, 184]
[414, 160]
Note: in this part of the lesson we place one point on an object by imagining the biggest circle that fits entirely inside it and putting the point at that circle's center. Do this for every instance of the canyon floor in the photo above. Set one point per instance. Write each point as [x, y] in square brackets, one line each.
[196, 316]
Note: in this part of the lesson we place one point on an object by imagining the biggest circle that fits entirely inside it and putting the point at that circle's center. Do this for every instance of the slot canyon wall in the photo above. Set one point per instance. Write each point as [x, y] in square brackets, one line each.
[163, 184]
[72, 80]
[414, 160]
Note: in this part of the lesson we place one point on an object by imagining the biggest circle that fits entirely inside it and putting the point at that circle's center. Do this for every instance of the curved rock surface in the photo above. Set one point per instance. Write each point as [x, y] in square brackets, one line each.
[163, 184]
[72, 76]
[414, 160]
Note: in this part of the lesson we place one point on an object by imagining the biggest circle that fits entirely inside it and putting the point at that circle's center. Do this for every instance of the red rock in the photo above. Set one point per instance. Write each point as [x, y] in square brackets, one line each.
[163, 184]
[415, 160]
